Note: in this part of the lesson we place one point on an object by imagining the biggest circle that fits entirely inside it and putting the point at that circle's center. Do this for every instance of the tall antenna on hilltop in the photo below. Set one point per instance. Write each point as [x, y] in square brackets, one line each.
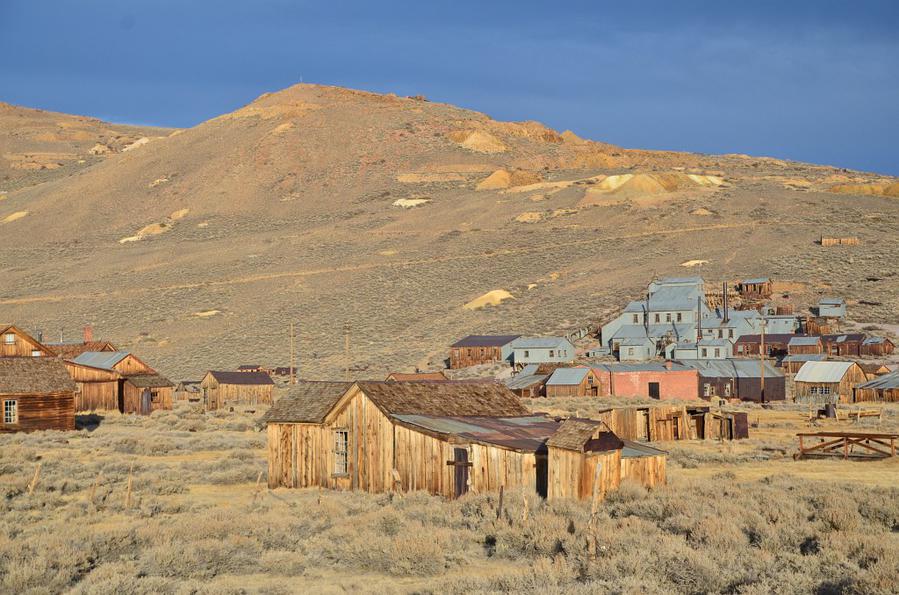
[346, 350]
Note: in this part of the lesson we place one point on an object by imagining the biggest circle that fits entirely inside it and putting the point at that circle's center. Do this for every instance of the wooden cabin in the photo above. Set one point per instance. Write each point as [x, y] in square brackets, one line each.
[755, 289]
[791, 364]
[805, 345]
[877, 346]
[573, 382]
[474, 350]
[118, 381]
[146, 393]
[223, 389]
[437, 376]
[528, 383]
[443, 438]
[667, 423]
[188, 390]
[14, 342]
[586, 460]
[845, 345]
[827, 382]
[776, 344]
[873, 369]
[739, 379]
[884, 389]
[35, 394]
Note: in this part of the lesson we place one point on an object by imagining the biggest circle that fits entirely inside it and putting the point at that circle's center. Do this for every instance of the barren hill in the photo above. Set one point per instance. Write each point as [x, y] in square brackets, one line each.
[325, 205]
[37, 145]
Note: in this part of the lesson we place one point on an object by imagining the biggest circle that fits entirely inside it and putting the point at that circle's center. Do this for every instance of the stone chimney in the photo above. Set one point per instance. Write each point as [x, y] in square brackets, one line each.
[668, 364]
[88, 333]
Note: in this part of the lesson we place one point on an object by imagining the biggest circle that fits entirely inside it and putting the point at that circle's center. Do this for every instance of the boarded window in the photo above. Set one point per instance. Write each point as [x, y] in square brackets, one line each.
[341, 452]
[9, 338]
[10, 412]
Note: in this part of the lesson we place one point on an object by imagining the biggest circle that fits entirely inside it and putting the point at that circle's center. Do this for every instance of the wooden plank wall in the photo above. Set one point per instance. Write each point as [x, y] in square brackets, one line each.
[571, 473]
[131, 398]
[223, 395]
[45, 411]
[649, 471]
[97, 396]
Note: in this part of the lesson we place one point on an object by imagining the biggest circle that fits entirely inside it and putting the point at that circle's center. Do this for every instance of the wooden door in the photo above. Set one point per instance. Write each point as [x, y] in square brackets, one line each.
[460, 465]
[145, 400]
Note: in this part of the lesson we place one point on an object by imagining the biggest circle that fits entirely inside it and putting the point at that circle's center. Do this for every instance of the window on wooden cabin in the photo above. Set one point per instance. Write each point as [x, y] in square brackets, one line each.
[630, 351]
[9, 338]
[341, 452]
[727, 390]
[10, 412]
[825, 390]
[707, 389]
[154, 396]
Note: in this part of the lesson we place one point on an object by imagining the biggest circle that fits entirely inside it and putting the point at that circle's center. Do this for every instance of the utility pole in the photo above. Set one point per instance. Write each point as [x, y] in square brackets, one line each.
[346, 350]
[762, 362]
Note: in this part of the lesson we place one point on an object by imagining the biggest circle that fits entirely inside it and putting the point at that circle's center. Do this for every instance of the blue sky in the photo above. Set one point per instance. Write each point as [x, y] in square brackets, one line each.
[816, 81]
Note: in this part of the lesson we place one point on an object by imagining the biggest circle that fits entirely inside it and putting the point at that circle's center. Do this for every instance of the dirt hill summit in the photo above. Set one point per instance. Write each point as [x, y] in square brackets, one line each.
[323, 205]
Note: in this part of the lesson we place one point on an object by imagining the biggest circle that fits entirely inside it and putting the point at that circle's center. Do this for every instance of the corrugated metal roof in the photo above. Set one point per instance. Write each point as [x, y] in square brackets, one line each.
[635, 449]
[241, 378]
[485, 341]
[529, 370]
[567, 376]
[887, 381]
[520, 381]
[823, 371]
[105, 360]
[830, 301]
[805, 341]
[755, 281]
[732, 368]
[539, 342]
[875, 341]
[641, 367]
[805, 357]
[635, 342]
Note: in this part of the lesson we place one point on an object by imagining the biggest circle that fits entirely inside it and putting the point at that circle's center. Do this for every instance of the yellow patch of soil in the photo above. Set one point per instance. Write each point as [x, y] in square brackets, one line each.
[408, 203]
[693, 263]
[179, 214]
[478, 141]
[491, 298]
[15, 216]
[429, 178]
[529, 217]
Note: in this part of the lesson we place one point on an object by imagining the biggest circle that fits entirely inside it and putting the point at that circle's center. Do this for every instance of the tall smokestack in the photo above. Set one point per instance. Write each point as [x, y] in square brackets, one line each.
[88, 333]
[725, 302]
[698, 318]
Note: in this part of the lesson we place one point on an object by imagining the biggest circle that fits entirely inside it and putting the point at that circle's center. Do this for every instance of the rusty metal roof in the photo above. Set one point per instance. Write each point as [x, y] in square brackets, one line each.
[523, 433]
[485, 341]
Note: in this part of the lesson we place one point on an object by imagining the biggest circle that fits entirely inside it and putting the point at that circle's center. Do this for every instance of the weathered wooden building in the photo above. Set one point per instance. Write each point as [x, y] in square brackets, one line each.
[739, 379]
[474, 350]
[72, 349]
[776, 344]
[222, 389]
[805, 345]
[827, 382]
[35, 394]
[14, 342]
[829, 307]
[666, 423]
[118, 381]
[755, 289]
[873, 369]
[877, 346]
[844, 345]
[444, 438]
[792, 363]
[573, 382]
[882, 389]
[188, 390]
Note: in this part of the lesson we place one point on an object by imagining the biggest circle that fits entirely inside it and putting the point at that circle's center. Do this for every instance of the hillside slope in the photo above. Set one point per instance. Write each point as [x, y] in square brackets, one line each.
[325, 205]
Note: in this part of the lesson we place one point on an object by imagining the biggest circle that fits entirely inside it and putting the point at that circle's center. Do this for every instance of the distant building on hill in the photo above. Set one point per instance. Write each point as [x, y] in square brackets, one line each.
[222, 389]
[542, 350]
[474, 350]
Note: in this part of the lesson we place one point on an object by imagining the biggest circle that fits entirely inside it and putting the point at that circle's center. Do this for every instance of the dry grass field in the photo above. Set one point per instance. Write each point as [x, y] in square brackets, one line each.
[738, 517]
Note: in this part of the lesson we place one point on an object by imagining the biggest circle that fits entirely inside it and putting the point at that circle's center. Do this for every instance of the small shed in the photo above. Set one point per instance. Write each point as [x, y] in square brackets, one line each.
[14, 342]
[776, 344]
[35, 394]
[756, 288]
[882, 389]
[187, 390]
[830, 307]
[877, 346]
[221, 389]
[528, 383]
[844, 345]
[873, 369]
[100, 377]
[792, 363]
[474, 350]
[573, 382]
[827, 382]
[804, 345]
[542, 350]
[146, 393]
